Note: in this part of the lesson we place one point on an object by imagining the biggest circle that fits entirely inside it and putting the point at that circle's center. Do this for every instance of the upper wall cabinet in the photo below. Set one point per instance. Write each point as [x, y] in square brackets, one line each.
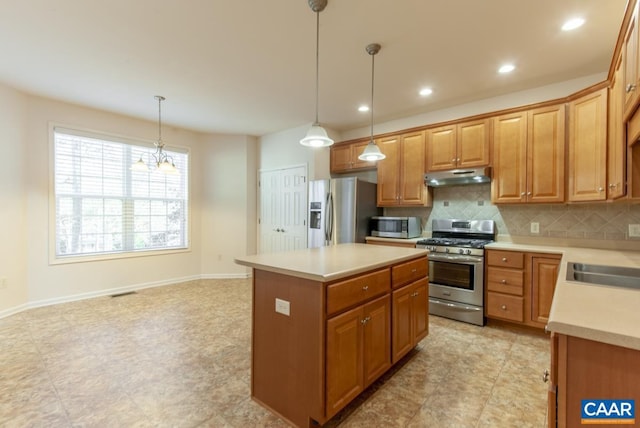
[588, 147]
[462, 145]
[344, 157]
[401, 173]
[630, 65]
[616, 146]
[528, 156]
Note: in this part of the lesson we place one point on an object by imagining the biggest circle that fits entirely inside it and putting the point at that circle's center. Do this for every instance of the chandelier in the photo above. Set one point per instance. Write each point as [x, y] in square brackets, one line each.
[163, 161]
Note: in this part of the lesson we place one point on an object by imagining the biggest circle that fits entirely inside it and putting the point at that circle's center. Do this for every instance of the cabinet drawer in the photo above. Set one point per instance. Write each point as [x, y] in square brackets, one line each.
[508, 281]
[408, 272]
[512, 259]
[505, 307]
[344, 294]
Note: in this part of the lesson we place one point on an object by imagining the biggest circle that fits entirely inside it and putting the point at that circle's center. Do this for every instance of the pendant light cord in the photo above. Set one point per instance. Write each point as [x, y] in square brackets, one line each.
[373, 59]
[317, 60]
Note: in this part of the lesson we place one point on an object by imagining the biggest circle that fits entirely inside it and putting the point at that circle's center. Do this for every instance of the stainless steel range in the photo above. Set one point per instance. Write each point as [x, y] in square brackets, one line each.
[456, 268]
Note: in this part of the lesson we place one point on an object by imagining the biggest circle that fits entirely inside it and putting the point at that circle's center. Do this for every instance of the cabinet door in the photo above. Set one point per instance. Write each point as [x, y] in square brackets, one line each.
[630, 57]
[473, 144]
[616, 146]
[388, 177]
[341, 158]
[441, 148]
[544, 274]
[412, 188]
[545, 160]
[588, 147]
[344, 359]
[377, 339]
[402, 341]
[420, 310]
[509, 158]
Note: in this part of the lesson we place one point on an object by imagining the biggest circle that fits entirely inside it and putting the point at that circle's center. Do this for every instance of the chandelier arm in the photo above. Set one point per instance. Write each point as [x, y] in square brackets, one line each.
[373, 59]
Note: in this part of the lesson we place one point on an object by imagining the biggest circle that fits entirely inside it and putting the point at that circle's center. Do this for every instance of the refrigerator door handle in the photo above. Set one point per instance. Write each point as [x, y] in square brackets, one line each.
[328, 219]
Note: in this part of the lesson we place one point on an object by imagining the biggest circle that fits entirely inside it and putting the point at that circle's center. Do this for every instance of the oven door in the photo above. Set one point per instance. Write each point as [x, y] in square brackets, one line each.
[456, 278]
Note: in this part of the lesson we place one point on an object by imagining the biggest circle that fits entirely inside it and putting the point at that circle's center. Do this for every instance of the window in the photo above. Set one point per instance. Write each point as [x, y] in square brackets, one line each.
[103, 207]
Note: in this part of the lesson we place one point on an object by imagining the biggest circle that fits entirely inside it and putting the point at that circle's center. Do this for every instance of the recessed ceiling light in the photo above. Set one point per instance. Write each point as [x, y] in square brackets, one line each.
[507, 68]
[572, 24]
[363, 108]
[426, 91]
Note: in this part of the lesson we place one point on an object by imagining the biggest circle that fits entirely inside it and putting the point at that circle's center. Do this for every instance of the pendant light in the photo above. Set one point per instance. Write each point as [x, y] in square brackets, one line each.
[317, 136]
[372, 152]
[164, 162]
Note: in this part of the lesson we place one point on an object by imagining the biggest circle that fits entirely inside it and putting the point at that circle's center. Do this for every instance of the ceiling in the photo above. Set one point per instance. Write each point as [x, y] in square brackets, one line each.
[248, 67]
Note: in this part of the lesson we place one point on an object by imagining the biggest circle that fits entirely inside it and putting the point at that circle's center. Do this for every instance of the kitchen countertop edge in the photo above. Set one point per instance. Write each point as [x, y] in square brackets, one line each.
[327, 264]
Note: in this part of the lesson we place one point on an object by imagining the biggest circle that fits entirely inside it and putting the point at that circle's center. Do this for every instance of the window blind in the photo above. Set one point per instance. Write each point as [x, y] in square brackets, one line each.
[103, 207]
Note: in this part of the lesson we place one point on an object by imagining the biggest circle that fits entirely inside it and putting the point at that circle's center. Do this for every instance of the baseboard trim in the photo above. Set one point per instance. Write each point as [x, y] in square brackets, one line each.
[118, 290]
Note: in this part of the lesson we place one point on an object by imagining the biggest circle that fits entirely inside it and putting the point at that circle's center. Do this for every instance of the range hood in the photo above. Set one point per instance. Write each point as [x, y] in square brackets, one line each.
[456, 177]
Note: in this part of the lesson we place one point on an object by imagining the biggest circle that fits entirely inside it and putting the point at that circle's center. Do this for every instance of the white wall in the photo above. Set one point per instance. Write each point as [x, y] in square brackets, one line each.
[283, 149]
[50, 282]
[229, 164]
[13, 247]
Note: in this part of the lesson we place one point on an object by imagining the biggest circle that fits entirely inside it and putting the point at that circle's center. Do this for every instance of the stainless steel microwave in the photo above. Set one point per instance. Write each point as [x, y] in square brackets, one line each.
[396, 227]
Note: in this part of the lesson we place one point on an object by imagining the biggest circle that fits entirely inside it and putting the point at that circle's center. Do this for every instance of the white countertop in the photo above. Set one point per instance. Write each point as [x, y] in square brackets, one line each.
[330, 263]
[595, 312]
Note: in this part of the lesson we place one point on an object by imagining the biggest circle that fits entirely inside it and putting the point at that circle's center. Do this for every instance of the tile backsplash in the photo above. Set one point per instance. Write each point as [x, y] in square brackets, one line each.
[596, 221]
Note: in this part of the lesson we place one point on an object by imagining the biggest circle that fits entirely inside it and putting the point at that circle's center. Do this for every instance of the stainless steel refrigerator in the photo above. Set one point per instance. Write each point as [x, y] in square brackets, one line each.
[339, 210]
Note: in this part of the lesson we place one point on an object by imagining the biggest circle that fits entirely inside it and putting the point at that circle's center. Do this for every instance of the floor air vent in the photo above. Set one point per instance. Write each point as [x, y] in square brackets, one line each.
[126, 293]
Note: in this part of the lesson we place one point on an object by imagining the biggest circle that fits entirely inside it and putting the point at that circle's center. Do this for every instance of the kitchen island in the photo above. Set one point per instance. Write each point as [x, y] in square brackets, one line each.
[327, 322]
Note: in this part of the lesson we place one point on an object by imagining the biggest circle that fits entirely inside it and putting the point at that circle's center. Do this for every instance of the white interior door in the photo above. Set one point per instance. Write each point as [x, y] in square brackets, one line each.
[283, 209]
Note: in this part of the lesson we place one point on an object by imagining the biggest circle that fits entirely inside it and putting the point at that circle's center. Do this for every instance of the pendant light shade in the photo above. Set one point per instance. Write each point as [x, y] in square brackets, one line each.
[317, 136]
[372, 152]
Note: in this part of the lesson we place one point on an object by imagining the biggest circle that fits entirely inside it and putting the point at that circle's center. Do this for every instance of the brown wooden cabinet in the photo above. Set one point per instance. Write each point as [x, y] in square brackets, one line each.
[630, 65]
[358, 343]
[344, 157]
[462, 145]
[588, 147]
[410, 311]
[616, 145]
[586, 369]
[544, 274]
[528, 156]
[520, 286]
[401, 173]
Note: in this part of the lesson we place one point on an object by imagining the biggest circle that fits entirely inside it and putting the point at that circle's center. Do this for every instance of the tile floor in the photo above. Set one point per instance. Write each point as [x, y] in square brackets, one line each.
[178, 356]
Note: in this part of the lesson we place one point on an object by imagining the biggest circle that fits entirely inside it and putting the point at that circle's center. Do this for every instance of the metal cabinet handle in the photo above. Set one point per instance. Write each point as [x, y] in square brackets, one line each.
[414, 270]
[630, 87]
[545, 376]
[365, 287]
[504, 281]
[522, 194]
[600, 189]
[503, 307]
[504, 259]
[453, 160]
[365, 320]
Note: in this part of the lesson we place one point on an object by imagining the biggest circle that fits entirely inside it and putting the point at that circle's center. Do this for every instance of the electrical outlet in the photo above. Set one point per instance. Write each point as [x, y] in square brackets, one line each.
[283, 307]
[535, 227]
[634, 230]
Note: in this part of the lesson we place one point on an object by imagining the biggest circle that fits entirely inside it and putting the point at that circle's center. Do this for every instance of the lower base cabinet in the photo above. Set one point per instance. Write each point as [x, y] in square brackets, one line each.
[583, 369]
[410, 317]
[520, 286]
[357, 351]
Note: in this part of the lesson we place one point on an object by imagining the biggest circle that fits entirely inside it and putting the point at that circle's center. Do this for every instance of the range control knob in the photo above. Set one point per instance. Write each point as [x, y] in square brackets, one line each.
[460, 251]
[446, 250]
[433, 248]
[468, 251]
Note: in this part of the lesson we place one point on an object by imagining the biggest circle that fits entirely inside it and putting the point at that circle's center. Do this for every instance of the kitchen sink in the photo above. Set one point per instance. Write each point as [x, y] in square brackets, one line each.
[604, 275]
